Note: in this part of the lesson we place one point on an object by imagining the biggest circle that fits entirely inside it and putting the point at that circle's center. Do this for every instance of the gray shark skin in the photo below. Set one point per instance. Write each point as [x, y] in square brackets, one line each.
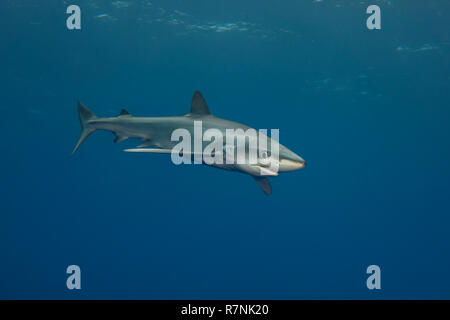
[155, 133]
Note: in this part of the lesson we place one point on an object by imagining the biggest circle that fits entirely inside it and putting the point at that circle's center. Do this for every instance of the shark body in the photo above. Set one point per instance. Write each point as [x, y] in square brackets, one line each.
[156, 132]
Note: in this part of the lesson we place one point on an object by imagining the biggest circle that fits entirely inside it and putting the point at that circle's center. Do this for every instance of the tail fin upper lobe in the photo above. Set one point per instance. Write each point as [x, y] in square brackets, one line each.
[85, 115]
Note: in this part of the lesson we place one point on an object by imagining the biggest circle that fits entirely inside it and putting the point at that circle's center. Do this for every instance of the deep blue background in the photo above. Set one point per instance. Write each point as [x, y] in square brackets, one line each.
[371, 120]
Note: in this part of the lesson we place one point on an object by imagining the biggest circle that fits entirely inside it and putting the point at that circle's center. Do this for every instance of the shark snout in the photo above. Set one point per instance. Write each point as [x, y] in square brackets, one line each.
[291, 165]
[289, 161]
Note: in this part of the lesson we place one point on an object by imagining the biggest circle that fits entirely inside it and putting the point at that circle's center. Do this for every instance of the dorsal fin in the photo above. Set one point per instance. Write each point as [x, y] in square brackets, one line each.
[198, 105]
[124, 113]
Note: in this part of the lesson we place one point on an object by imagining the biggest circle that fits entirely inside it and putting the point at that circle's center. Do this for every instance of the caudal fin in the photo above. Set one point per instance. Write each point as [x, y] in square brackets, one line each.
[85, 115]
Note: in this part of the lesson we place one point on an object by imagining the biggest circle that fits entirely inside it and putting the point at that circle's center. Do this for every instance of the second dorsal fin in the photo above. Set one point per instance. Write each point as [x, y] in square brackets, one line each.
[198, 105]
[124, 113]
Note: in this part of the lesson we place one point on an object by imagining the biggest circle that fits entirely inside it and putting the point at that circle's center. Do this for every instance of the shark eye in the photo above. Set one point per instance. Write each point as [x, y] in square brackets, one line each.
[264, 154]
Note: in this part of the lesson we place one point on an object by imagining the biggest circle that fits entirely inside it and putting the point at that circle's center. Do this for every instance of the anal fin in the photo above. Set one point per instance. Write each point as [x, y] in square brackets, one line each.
[146, 144]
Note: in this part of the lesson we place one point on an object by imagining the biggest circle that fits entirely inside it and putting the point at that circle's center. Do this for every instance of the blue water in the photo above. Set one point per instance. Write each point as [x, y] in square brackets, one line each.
[368, 111]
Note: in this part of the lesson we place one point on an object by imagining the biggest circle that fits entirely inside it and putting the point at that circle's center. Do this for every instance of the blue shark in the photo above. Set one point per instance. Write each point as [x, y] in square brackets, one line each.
[156, 136]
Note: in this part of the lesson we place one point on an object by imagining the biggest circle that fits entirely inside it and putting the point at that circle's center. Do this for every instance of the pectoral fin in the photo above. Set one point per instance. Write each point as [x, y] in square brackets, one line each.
[264, 183]
[146, 144]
